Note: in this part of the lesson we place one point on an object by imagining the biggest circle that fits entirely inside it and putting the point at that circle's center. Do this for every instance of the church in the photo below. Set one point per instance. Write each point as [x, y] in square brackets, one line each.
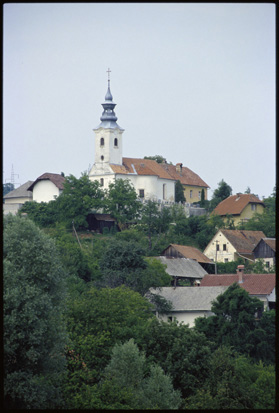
[151, 180]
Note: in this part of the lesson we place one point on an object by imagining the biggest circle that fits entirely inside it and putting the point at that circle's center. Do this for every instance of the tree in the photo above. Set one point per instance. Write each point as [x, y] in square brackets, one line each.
[222, 192]
[78, 199]
[157, 158]
[34, 330]
[128, 370]
[179, 192]
[123, 263]
[234, 323]
[97, 319]
[122, 202]
[8, 188]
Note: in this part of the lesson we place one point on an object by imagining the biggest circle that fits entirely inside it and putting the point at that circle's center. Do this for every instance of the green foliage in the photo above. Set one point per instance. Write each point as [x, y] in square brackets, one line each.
[8, 187]
[234, 324]
[157, 158]
[123, 263]
[222, 192]
[234, 382]
[122, 202]
[128, 371]
[97, 320]
[179, 192]
[34, 330]
[181, 352]
[43, 214]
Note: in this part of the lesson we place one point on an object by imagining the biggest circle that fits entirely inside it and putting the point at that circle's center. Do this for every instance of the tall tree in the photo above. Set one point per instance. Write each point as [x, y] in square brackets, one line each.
[34, 330]
[222, 192]
[122, 202]
[8, 188]
[179, 192]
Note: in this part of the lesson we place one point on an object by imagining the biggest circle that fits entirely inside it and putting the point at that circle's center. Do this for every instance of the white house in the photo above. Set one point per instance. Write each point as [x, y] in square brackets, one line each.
[150, 179]
[47, 187]
[188, 302]
[14, 200]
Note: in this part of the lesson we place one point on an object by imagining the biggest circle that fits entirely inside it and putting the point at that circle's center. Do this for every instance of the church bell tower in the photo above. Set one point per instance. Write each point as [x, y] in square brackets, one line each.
[108, 135]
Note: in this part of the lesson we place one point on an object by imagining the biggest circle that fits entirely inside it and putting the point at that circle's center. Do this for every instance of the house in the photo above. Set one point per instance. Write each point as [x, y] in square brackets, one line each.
[191, 182]
[47, 187]
[228, 245]
[261, 286]
[188, 302]
[242, 207]
[150, 179]
[266, 250]
[14, 200]
[183, 269]
[98, 222]
[185, 251]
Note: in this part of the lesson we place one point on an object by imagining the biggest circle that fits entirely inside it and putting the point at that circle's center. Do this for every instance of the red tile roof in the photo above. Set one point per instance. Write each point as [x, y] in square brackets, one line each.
[165, 171]
[243, 241]
[57, 179]
[190, 252]
[235, 204]
[254, 284]
[185, 176]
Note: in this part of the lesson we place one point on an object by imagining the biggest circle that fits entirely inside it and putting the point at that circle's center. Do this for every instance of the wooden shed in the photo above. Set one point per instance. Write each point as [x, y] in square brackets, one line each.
[97, 222]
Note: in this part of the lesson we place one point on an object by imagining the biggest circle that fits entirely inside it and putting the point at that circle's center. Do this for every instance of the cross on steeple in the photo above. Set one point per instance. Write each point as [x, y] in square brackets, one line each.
[108, 72]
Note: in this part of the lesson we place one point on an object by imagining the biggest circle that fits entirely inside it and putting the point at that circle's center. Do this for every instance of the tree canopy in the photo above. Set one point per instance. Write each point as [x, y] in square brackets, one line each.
[34, 330]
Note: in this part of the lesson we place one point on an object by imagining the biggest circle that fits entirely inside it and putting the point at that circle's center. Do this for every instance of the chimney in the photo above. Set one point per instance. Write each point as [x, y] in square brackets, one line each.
[178, 167]
[240, 272]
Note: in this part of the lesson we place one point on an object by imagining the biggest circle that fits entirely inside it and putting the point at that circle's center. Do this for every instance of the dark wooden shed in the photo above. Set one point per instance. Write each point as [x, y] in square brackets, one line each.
[97, 222]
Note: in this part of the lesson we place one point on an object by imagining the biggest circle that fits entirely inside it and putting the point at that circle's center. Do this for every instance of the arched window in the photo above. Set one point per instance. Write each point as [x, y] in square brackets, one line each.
[115, 142]
[102, 142]
[102, 158]
[102, 181]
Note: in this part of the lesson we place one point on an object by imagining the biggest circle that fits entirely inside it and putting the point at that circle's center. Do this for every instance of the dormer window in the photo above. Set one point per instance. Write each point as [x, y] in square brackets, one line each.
[102, 142]
[115, 142]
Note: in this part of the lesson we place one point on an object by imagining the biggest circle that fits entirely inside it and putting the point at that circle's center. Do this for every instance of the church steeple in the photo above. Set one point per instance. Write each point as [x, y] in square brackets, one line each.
[108, 117]
[108, 135]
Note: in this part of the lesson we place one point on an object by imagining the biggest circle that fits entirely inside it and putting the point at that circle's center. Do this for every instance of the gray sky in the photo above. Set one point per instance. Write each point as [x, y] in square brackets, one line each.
[193, 82]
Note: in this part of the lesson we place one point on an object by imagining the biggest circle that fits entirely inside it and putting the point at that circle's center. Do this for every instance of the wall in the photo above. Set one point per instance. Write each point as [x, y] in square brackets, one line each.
[45, 191]
[222, 256]
[187, 317]
[195, 193]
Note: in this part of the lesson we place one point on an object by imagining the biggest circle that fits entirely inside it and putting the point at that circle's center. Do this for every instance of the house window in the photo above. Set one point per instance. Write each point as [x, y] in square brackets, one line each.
[217, 247]
[141, 193]
[226, 260]
[199, 194]
[253, 207]
[267, 264]
[170, 318]
[102, 142]
[191, 193]
[224, 247]
[115, 142]
[164, 191]
[102, 158]
[102, 181]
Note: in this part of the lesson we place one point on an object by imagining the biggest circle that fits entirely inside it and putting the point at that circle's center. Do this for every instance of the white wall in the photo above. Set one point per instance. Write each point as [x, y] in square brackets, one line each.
[45, 191]
[210, 250]
[110, 152]
[186, 317]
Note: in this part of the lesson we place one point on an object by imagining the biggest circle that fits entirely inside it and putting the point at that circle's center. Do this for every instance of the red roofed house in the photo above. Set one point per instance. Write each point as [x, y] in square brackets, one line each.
[266, 250]
[47, 187]
[241, 206]
[150, 179]
[261, 286]
[228, 244]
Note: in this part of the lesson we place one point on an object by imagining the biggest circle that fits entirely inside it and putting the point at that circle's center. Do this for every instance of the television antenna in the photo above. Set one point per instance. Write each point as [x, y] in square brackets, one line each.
[12, 179]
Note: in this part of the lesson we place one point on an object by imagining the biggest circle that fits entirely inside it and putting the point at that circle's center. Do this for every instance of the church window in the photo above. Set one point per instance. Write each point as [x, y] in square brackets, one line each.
[115, 142]
[102, 142]
[102, 158]
[102, 181]
[141, 193]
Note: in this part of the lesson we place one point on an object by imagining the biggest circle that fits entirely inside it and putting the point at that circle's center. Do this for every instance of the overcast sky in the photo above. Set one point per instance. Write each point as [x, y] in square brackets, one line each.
[193, 82]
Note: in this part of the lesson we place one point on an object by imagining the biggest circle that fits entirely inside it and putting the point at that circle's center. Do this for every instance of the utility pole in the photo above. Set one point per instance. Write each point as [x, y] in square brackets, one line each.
[216, 257]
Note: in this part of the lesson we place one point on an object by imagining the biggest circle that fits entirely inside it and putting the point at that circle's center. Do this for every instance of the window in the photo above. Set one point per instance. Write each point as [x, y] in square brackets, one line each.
[253, 207]
[102, 181]
[102, 158]
[164, 191]
[115, 142]
[199, 194]
[217, 247]
[170, 318]
[141, 193]
[267, 264]
[191, 193]
[224, 247]
[102, 142]
[226, 260]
